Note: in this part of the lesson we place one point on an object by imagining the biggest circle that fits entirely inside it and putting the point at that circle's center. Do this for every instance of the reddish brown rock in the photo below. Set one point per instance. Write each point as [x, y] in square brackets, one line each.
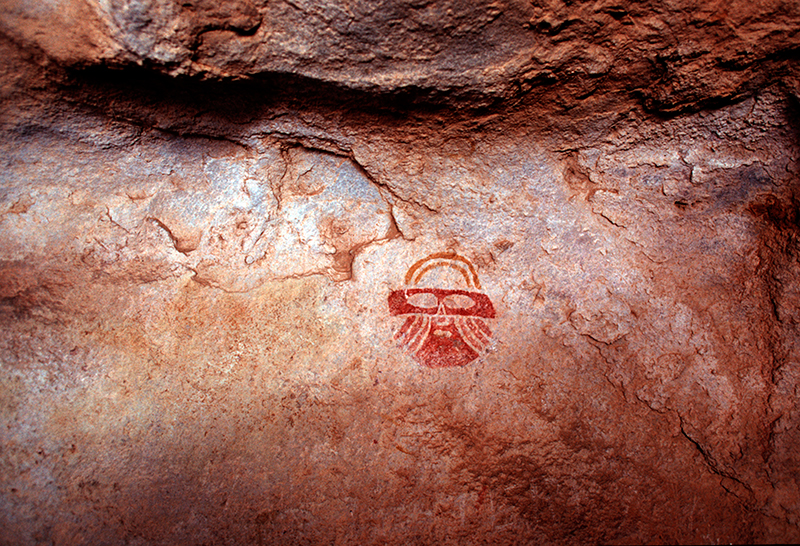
[216, 220]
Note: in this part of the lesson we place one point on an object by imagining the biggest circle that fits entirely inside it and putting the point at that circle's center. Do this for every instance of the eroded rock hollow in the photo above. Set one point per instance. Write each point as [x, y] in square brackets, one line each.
[399, 272]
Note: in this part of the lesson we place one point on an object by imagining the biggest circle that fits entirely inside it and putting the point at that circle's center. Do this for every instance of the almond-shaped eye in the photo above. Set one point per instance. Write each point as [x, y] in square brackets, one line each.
[423, 299]
[458, 301]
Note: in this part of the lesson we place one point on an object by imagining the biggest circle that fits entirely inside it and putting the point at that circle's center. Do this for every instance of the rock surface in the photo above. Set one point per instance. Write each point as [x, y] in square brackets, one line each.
[206, 206]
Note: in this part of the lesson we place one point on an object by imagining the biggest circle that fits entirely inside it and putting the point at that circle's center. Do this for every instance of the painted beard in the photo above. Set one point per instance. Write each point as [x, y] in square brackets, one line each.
[443, 328]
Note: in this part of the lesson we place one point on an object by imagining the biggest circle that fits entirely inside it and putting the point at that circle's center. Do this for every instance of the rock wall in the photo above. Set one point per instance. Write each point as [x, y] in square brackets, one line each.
[399, 272]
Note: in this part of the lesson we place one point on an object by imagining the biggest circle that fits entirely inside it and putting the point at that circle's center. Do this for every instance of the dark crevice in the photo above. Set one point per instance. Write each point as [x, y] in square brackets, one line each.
[734, 485]
[243, 100]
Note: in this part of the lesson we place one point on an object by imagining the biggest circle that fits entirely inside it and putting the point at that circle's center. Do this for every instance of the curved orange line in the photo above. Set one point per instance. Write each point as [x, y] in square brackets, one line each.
[444, 256]
[445, 264]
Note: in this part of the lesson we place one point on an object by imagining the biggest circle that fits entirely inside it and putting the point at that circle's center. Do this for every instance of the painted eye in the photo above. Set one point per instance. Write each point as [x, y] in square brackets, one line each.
[458, 301]
[423, 299]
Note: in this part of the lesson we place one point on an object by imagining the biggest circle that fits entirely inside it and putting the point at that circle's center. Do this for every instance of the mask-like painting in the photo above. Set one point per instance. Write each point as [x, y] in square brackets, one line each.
[444, 326]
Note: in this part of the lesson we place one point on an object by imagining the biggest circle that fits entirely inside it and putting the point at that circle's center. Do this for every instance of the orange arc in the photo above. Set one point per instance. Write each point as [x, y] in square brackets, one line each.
[458, 268]
[452, 256]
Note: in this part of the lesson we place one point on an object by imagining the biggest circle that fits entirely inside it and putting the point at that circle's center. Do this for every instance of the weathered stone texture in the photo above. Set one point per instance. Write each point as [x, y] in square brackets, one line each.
[673, 54]
[204, 207]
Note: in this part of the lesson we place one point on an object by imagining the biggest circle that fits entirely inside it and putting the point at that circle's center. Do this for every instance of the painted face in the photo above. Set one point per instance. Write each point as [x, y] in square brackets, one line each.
[443, 327]
[438, 301]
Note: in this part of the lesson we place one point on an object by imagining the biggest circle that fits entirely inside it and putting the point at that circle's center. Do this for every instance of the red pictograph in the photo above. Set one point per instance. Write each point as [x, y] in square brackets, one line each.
[444, 327]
